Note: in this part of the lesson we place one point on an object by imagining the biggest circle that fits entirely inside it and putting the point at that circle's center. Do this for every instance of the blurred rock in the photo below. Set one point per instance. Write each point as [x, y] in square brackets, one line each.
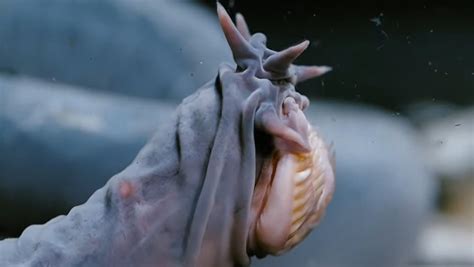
[448, 138]
[160, 49]
[59, 144]
[450, 143]
[446, 241]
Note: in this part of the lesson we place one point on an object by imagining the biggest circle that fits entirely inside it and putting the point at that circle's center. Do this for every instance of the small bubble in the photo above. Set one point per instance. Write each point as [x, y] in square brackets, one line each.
[429, 63]
[200, 62]
[431, 30]
[435, 70]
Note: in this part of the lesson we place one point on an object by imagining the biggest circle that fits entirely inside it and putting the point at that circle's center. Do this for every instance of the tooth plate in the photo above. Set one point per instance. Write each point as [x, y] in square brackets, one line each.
[309, 184]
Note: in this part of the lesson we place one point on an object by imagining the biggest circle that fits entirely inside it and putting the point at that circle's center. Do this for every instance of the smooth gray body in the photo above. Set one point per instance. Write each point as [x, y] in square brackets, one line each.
[184, 200]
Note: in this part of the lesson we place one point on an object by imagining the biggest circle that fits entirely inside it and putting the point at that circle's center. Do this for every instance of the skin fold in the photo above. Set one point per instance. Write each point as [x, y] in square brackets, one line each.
[214, 187]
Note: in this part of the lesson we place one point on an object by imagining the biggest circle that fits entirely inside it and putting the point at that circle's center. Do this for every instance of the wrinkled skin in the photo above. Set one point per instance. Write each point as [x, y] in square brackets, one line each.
[188, 198]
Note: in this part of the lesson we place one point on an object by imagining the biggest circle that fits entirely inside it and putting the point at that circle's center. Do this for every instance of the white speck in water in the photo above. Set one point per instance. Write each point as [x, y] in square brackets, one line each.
[200, 62]
[435, 70]
[376, 20]
[322, 83]
[53, 79]
[431, 30]
[472, 73]
[445, 73]
[429, 63]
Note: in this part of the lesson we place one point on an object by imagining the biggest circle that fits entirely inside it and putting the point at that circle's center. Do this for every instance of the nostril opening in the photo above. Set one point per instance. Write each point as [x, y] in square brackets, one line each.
[239, 69]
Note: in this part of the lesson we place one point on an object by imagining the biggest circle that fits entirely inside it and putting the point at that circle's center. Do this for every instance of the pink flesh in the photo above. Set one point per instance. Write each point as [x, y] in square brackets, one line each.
[274, 223]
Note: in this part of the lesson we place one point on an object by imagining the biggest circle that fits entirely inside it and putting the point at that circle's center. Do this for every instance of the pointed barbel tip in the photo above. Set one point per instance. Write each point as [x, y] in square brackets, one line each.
[282, 60]
[240, 47]
[304, 73]
[242, 26]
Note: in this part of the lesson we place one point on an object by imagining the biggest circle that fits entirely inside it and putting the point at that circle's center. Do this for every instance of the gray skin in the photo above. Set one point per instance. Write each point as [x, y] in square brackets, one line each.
[188, 190]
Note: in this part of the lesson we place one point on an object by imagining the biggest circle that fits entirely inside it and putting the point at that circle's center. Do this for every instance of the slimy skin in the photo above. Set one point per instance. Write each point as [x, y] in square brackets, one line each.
[239, 172]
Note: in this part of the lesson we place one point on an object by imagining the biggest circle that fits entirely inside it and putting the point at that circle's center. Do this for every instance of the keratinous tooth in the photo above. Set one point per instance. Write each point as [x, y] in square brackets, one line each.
[301, 176]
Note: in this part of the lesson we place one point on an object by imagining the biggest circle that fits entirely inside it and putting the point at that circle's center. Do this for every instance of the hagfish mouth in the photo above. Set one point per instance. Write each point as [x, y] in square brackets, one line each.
[290, 197]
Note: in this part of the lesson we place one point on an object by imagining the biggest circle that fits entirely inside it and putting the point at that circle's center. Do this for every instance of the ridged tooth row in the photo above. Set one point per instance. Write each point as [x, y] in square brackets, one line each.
[301, 197]
[302, 175]
[309, 184]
